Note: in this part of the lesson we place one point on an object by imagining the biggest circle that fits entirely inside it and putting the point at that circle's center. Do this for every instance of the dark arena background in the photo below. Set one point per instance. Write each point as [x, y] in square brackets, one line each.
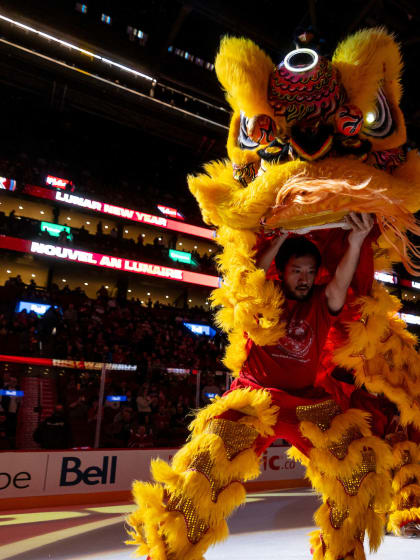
[107, 340]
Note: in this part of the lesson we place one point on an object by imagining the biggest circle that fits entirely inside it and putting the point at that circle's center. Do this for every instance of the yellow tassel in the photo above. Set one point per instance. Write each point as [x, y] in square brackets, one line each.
[403, 476]
[402, 517]
[401, 448]
[326, 462]
[253, 403]
[351, 418]
[298, 456]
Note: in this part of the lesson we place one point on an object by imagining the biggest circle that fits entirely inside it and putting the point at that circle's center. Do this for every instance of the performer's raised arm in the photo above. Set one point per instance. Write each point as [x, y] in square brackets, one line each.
[267, 256]
[336, 291]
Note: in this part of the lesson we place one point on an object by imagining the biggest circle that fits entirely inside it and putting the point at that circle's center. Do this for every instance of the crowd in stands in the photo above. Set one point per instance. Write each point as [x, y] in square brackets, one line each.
[152, 336]
[108, 243]
[155, 412]
[106, 329]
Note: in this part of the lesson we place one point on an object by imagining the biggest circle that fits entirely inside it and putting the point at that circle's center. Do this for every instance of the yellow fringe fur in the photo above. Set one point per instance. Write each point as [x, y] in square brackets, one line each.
[367, 60]
[325, 471]
[382, 354]
[399, 518]
[153, 525]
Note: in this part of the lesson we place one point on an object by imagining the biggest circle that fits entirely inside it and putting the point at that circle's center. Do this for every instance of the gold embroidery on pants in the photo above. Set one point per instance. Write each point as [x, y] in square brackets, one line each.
[236, 437]
[339, 448]
[203, 463]
[352, 483]
[196, 527]
[320, 414]
[338, 516]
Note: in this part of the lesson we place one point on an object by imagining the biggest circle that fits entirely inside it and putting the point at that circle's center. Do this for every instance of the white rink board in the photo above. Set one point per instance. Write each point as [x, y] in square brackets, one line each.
[49, 473]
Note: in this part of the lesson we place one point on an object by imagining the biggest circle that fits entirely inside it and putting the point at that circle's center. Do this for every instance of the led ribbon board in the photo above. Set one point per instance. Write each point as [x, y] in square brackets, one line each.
[180, 256]
[118, 211]
[168, 211]
[11, 393]
[7, 184]
[200, 329]
[71, 364]
[107, 261]
[30, 306]
[55, 229]
[57, 182]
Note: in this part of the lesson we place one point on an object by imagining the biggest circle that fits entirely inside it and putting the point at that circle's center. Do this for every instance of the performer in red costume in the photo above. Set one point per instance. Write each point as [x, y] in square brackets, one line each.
[280, 393]
[288, 369]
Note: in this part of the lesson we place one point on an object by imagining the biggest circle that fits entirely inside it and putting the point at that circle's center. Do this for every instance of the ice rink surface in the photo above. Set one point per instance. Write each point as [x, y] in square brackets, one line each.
[271, 526]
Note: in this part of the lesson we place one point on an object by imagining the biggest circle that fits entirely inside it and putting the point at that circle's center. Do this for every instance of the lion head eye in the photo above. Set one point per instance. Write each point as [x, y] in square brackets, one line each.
[261, 129]
[379, 122]
[256, 130]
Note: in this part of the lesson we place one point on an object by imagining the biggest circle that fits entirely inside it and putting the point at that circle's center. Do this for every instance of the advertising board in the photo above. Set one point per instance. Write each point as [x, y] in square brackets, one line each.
[49, 473]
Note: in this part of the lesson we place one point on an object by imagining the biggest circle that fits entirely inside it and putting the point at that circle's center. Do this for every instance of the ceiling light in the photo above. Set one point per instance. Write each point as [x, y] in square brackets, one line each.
[74, 47]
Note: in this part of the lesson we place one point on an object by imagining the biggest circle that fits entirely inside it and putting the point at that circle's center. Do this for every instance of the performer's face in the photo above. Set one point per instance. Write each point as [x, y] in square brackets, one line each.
[299, 276]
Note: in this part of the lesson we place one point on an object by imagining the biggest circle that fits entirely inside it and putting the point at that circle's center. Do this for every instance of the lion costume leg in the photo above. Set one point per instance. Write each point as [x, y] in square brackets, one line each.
[349, 467]
[184, 513]
[405, 506]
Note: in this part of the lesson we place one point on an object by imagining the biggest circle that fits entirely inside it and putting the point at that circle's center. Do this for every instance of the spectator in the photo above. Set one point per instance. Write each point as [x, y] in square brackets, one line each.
[139, 438]
[54, 431]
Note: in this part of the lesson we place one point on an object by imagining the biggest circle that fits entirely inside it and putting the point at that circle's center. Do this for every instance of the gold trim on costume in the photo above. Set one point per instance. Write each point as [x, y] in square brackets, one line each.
[236, 437]
[320, 414]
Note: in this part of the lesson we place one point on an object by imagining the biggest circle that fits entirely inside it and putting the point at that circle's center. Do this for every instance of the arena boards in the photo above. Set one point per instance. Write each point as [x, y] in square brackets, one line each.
[47, 478]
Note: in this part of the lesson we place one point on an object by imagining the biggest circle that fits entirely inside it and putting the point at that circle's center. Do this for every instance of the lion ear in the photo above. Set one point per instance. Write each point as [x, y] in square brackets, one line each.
[243, 70]
[370, 67]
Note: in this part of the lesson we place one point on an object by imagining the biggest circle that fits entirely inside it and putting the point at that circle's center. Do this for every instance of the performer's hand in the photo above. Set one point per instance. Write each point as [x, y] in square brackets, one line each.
[361, 225]
[278, 235]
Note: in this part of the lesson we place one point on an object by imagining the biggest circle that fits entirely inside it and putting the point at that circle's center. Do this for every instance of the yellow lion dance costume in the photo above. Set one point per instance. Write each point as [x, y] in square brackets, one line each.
[309, 141]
